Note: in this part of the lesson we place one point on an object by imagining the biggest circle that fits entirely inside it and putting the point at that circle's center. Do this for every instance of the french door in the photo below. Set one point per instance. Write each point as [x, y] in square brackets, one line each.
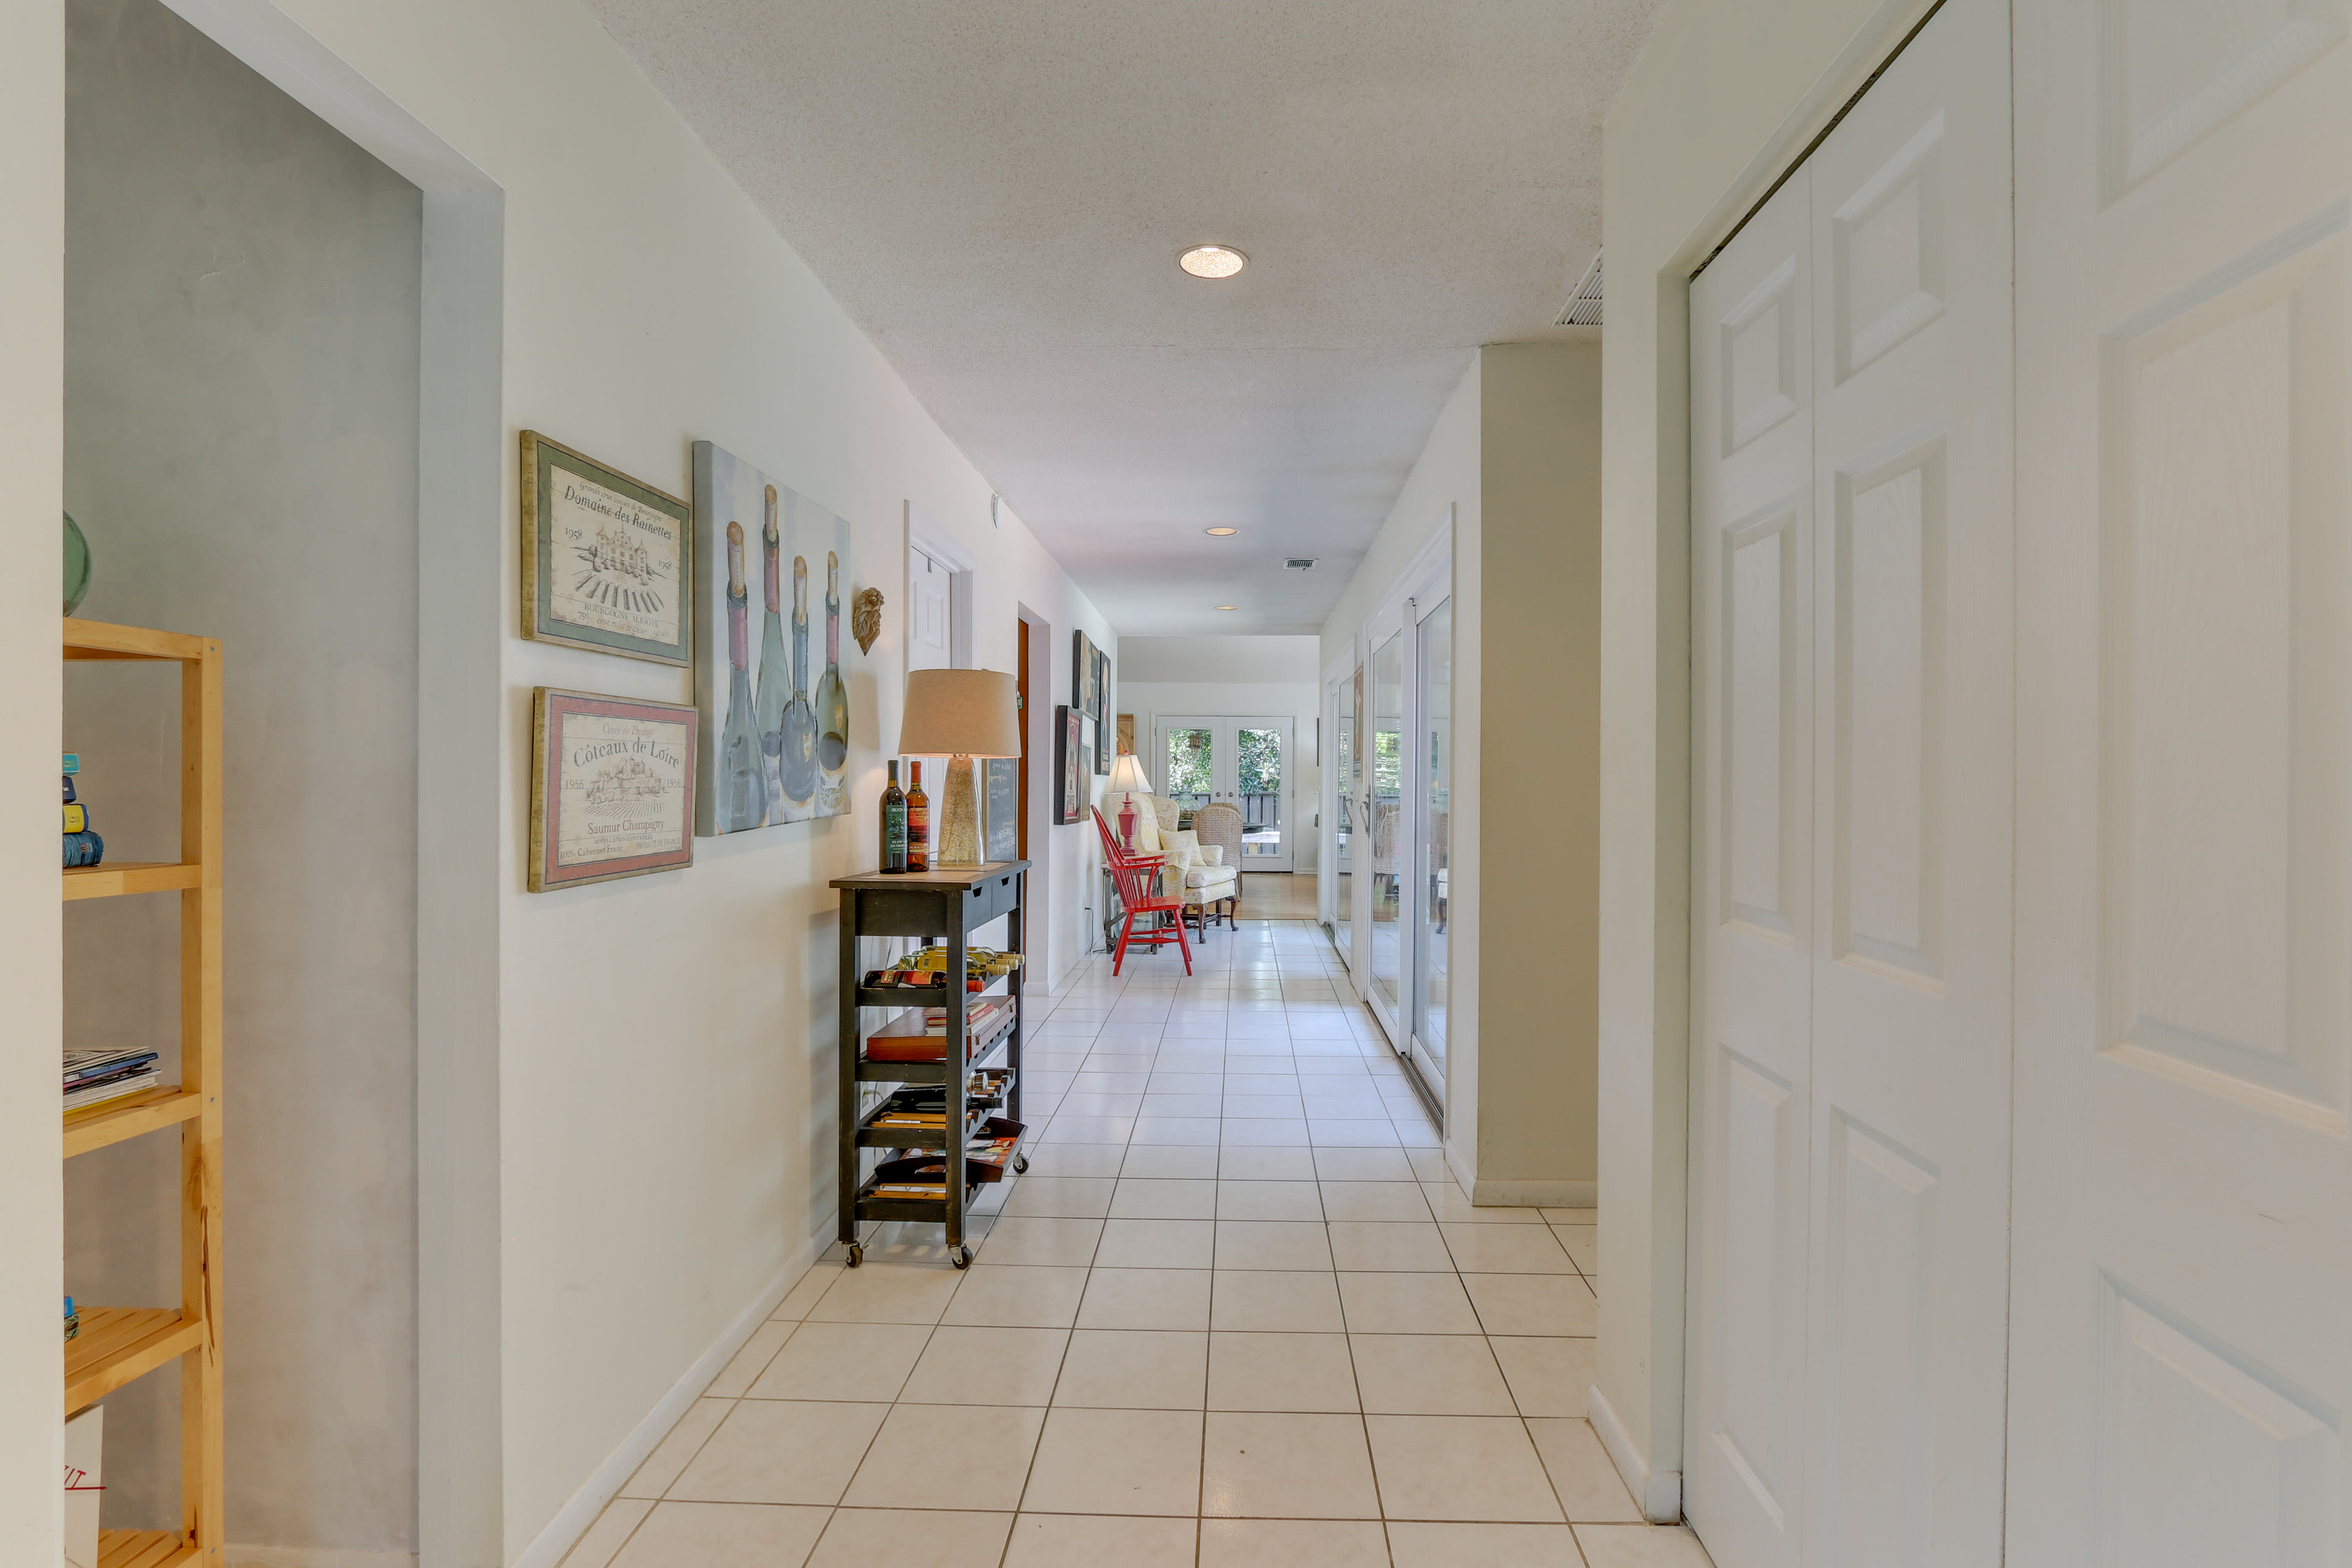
[1854, 648]
[1242, 763]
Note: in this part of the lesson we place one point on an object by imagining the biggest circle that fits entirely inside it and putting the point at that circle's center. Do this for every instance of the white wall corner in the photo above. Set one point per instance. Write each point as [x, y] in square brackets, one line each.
[571, 1520]
[1659, 1493]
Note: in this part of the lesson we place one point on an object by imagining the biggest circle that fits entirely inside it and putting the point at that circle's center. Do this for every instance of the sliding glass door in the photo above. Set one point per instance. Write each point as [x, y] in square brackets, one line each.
[1384, 777]
[1433, 838]
[1342, 700]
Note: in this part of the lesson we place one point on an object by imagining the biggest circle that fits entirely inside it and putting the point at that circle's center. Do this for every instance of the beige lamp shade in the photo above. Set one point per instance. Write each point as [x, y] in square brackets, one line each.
[960, 713]
[1127, 775]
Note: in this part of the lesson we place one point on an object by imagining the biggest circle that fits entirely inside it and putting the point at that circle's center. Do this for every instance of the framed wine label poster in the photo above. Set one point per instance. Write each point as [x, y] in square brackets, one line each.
[767, 651]
[607, 560]
[611, 787]
[1070, 765]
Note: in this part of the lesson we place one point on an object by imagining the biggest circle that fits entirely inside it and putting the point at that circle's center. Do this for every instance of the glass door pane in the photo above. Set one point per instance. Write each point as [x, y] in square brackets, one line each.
[1189, 767]
[1343, 763]
[1433, 833]
[1259, 754]
[1385, 759]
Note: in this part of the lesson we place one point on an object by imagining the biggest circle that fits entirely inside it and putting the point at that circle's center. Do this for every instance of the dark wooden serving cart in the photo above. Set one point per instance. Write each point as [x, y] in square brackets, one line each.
[943, 906]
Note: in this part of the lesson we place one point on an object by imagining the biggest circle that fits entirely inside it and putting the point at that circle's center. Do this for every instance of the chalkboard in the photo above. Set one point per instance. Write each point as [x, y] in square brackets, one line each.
[1003, 808]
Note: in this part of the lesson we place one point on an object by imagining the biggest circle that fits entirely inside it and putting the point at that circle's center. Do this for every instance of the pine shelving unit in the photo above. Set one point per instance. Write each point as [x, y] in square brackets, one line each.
[119, 1344]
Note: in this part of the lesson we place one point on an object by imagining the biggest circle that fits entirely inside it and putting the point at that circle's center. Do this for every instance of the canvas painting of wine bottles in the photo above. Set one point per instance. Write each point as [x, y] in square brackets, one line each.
[769, 610]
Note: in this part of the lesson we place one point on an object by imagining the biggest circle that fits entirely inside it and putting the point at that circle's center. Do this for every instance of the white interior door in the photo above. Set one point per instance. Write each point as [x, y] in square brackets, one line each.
[2182, 1369]
[1850, 1076]
[1335, 892]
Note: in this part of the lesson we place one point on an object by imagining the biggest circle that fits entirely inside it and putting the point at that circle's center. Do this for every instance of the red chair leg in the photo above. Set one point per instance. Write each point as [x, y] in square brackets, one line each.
[1184, 946]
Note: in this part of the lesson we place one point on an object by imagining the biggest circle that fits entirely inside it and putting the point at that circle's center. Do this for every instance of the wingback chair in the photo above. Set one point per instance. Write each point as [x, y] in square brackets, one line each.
[1218, 825]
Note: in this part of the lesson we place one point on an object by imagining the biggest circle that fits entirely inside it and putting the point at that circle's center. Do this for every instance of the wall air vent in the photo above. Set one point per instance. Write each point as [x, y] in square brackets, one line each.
[1583, 306]
[1299, 563]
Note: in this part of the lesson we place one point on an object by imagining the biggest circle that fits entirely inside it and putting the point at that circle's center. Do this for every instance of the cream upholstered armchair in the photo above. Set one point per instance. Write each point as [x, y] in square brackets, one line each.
[1218, 826]
[1201, 869]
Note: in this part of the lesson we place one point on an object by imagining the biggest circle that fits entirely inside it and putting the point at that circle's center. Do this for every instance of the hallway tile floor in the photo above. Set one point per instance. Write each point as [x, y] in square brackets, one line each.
[1237, 1313]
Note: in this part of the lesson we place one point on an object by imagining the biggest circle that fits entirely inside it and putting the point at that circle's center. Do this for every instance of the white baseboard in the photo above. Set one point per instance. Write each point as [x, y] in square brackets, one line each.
[1659, 1493]
[571, 1520]
[315, 1557]
[1535, 1194]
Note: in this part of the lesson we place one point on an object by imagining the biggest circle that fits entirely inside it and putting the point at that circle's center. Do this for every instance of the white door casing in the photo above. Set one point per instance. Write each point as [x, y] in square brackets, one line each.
[1852, 669]
[2183, 1238]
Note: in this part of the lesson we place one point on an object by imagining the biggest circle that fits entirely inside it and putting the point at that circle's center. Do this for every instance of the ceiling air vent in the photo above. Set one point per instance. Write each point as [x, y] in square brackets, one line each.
[1583, 306]
[1299, 563]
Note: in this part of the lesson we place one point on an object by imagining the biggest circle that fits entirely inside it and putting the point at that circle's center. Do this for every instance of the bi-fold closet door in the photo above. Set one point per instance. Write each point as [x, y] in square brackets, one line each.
[1852, 657]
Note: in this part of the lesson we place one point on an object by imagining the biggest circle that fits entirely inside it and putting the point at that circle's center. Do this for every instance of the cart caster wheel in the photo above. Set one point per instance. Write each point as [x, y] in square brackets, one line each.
[1020, 1164]
[857, 1253]
[961, 1257]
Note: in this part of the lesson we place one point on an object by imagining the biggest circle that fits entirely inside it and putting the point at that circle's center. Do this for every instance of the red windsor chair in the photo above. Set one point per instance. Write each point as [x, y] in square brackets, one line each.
[1138, 876]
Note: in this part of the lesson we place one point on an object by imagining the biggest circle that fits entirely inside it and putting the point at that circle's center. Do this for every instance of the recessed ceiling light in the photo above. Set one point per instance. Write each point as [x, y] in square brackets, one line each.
[1220, 532]
[1227, 607]
[1212, 261]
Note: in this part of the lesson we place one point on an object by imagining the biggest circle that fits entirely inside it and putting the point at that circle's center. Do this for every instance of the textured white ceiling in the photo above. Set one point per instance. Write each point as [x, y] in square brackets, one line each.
[996, 191]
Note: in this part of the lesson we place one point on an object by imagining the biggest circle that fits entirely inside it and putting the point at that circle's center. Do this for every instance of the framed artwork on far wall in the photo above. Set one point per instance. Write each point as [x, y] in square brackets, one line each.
[611, 787]
[1085, 677]
[607, 560]
[1102, 688]
[1069, 764]
[1102, 747]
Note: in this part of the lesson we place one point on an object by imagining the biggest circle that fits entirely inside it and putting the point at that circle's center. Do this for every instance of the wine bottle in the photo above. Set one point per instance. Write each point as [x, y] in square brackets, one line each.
[799, 719]
[918, 823]
[894, 825]
[743, 797]
[831, 698]
[775, 679]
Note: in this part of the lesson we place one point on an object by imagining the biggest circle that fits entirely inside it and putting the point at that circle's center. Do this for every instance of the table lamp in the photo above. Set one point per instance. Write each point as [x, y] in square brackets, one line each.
[1127, 775]
[960, 714]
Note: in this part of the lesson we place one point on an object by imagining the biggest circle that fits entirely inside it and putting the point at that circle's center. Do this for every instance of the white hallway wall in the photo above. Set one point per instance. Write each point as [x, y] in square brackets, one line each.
[645, 303]
[1726, 94]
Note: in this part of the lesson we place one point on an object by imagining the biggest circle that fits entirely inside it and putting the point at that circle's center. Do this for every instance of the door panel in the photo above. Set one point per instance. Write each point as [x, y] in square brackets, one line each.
[1852, 382]
[2185, 833]
[1384, 762]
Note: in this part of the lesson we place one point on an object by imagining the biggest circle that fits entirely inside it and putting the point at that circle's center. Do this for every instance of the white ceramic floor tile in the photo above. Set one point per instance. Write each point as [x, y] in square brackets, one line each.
[602, 1539]
[948, 1456]
[861, 1537]
[1641, 1546]
[890, 1293]
[1583, 1249]
[776, 1450]
[1033, 1297]
[1286, 1244]
[1094, 1541]
[1292, 1544]
[1290, 1372]
[1182, 1162]
[1451, 1203]
[1400, 1245]
[987, 1366]
[1157, 1244]
[1249, 1162]
[1067, 1243]
[1037, 1196]
[1146, 1299]
[1156, 1198]
[1130, 1369]
[1184, 1130]
[1392, 1302]
[1460, 1468]
[1269, 1201]
[722, 1535]
[807, 1292]
[1429, 1374]
[1269, 1466]
[1394, 1200]
[1533, 1303]
[748, 1362]
[1548, 1377]
[1363, 1165]
[1582, 1473]
[677, 1448]
[1117, 1461]
[856, 1363]
[1417, 1544]
[1264, 1132]
[1078, 1160]
[1276, 1301]
[1505, 1249]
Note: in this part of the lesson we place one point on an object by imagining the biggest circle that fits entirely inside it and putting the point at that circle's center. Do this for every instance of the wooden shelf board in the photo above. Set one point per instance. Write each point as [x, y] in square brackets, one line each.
[96, 1126]
[143, 1549]
[101, 640]
[120, 877]
[118, 1344]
